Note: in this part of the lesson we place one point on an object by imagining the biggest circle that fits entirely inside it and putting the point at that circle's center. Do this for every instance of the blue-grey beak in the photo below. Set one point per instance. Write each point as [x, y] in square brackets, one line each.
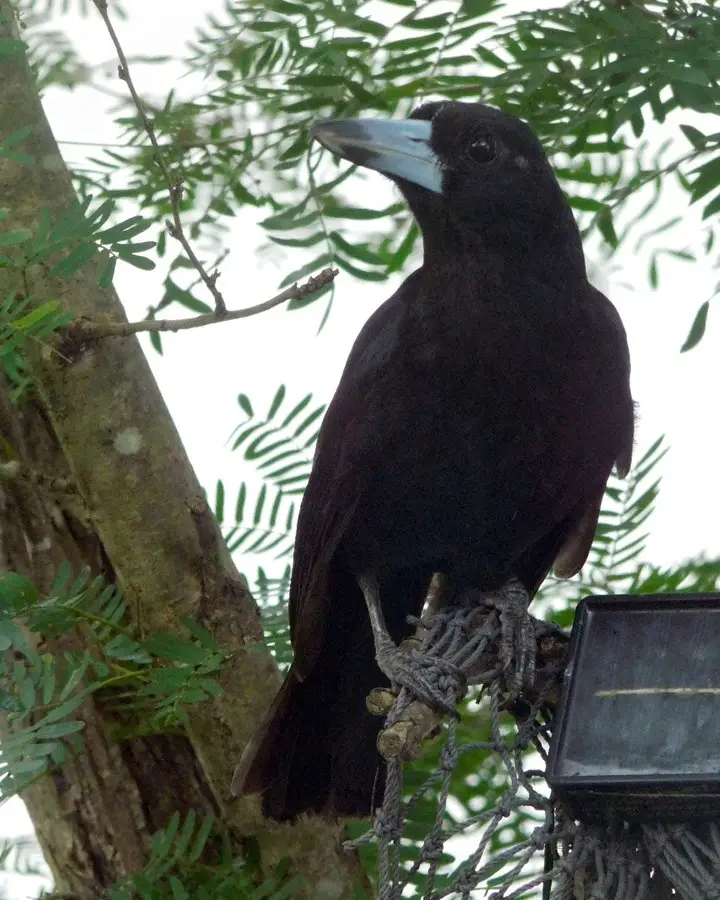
[399, 148]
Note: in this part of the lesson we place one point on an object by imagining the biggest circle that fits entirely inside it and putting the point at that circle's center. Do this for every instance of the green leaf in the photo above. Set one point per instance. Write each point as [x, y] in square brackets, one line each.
[313, 80]
[210, 686]
[59, 729]
[101, 214]
[712, 208]
[689, 74]
[20, 236]
[259, 504]
[107, 271]
[362, 252]
[164, 681]
[22, 134]
[126, 648]
[309, 241]
[292, 217]
[124, 231]
[276, 402]
[17, 593]
[174, 293]
[200, 839]
[707, 180]
[175, 648]
[586, 204]
[202, 635]
[48, 683]
[137, 246]
[429, 23]
[9, 47]
[245, 404]
[487, 56]
[194, 695]
[364, 274]
[219, 501]
[240, 503]
[75, 260]
[51, 308]
[156, 342]
[16, 137]
[26, 766]
[653, 271]
[61, 711]
[185, 835]
[358, 213]
[76, 676]
[9, 702]
[178, 891]
[606, 226]
[161, 842]
[696, 138]
[309, 268]
[697, 329]
[140, 262]
[12, 632]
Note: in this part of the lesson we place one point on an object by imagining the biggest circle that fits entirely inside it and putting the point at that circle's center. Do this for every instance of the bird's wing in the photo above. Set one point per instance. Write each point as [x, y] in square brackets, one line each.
[340, 469]
[576, 546]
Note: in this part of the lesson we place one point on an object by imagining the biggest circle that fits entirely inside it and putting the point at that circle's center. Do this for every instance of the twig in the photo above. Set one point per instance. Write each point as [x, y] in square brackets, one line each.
[155, 308]
[85, 330]
[174, 185]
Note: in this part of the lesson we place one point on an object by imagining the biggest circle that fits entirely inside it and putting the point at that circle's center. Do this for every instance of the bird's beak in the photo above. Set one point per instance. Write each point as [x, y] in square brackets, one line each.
[399, 148]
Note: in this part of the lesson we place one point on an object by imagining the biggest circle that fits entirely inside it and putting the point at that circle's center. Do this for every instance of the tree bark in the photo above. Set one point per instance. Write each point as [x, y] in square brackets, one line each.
[134, 512]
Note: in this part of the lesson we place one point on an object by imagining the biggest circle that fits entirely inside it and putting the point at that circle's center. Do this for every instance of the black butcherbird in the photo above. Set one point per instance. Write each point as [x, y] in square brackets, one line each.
[478, 418]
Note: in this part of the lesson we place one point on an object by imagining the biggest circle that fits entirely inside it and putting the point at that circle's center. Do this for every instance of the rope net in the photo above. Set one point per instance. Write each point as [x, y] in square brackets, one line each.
[521, 841]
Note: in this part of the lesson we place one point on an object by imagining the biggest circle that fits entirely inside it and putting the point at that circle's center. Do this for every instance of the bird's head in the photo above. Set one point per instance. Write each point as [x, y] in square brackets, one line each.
[470, 174]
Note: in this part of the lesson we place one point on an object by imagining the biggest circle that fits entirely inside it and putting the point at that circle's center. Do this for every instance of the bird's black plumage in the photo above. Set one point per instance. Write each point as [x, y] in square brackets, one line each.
[476, 422]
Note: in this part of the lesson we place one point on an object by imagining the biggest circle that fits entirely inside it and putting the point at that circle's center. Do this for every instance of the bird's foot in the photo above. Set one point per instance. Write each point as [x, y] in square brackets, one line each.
[518, 638]
[433, 681]
[430, 679]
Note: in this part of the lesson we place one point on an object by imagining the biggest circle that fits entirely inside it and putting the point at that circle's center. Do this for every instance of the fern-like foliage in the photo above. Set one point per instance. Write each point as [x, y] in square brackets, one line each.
[79, 236]
[177, 868]
[264, 521]
[272, 594]
[20, 327]
[22, 856]
[622, 533]
[280, 442]
[279, 447]
[158, 677]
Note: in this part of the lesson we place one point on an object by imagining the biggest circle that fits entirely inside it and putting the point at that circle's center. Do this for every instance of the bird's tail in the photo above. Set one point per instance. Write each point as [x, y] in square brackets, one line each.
[316, 751]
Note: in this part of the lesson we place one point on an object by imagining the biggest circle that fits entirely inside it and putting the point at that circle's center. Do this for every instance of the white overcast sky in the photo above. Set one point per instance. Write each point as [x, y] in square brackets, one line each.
[202, 371]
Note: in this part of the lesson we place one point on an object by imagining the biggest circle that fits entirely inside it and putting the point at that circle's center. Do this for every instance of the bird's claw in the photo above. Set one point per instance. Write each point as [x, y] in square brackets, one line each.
[518, 639]
[433, 681]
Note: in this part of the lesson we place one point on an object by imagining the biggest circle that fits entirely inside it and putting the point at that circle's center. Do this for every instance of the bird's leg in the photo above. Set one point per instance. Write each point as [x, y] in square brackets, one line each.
[415, 670]
[518, 640]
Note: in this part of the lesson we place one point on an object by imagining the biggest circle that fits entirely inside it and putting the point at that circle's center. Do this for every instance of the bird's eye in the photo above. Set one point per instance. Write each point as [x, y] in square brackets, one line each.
[482, 149]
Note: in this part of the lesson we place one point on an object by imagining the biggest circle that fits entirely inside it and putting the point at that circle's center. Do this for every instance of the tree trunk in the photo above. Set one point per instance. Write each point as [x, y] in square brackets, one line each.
[129, 507]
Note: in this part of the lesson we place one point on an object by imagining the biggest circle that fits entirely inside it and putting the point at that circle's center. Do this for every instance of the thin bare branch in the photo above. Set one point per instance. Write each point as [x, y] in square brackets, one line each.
[84, 330]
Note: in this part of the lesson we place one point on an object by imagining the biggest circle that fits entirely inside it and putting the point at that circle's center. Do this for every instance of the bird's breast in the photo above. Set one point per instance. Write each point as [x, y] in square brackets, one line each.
[486, 423]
